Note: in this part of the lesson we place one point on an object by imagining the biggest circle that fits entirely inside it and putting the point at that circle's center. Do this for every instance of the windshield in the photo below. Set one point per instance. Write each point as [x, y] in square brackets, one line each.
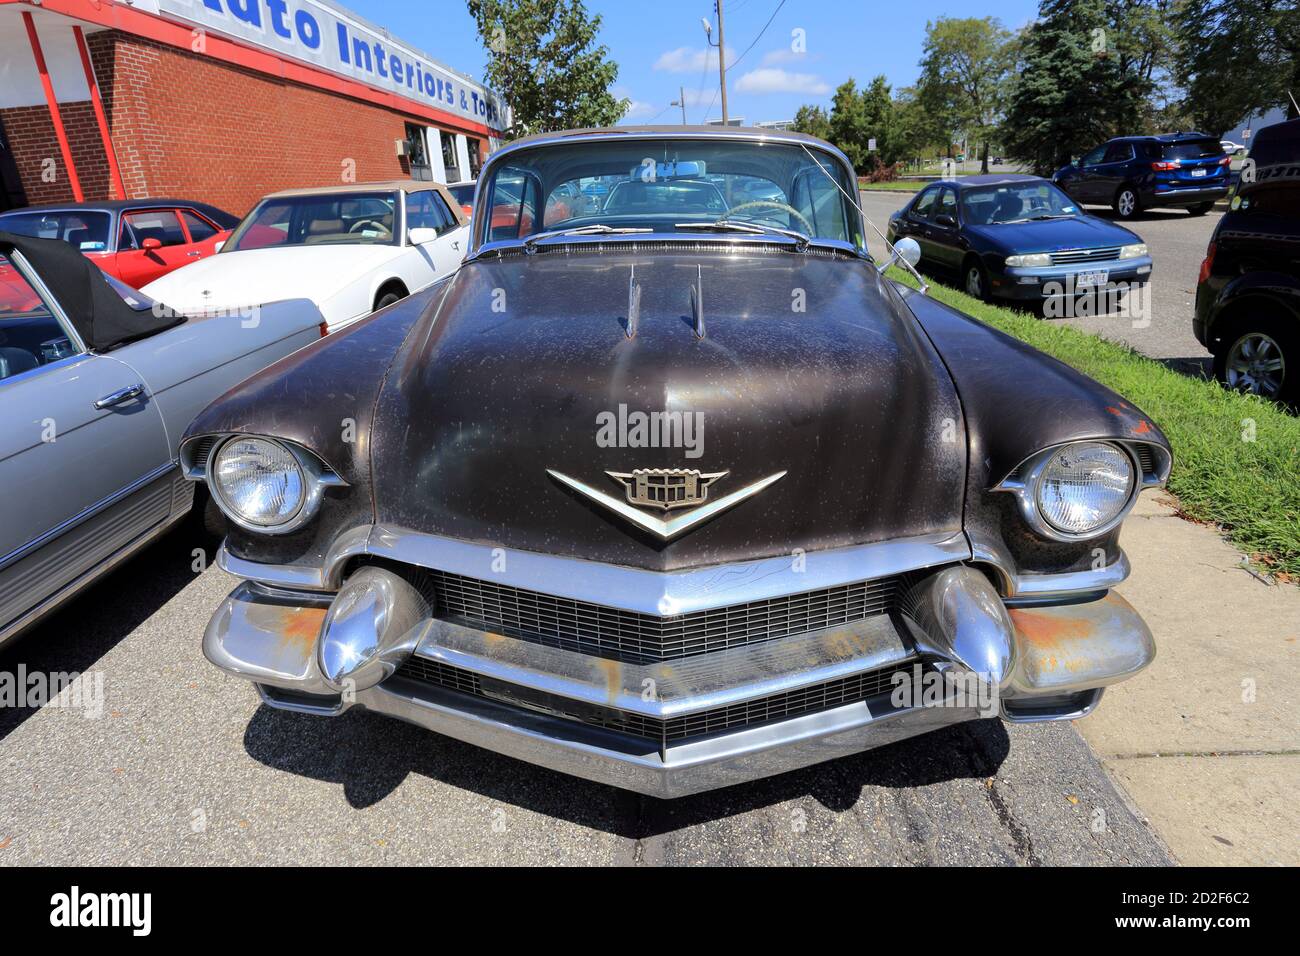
[84, 231]
[1015, 202]
[662, 185]
[326, 219]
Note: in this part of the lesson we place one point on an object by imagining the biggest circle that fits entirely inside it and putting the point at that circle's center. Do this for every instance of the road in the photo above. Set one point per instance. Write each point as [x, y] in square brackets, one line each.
[1177, 241]
[185, 766]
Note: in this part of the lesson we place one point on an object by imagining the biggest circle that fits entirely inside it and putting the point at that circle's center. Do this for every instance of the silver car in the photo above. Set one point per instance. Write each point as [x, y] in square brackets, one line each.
[97, 384]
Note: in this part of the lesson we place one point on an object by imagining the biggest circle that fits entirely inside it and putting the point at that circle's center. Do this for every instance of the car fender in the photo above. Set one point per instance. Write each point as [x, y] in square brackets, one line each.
[1277, 287]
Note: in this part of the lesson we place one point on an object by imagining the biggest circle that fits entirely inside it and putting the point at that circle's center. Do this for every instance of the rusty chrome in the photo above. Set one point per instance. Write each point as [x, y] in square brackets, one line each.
[373, 625]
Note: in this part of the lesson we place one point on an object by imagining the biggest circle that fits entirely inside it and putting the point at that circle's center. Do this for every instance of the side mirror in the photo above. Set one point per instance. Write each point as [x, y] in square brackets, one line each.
[150, 244]
[905, 250]
[945, 220]
[420, 235]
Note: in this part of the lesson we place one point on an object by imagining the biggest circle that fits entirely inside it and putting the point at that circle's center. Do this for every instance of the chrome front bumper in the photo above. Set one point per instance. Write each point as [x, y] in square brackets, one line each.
[1046, 658]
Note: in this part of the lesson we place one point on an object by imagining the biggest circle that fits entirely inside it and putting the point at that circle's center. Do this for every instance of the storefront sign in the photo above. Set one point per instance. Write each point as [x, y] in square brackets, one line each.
[327, 37]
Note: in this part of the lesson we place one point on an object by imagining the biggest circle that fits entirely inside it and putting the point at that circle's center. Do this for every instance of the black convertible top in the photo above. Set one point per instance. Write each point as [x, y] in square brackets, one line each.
[100, 316]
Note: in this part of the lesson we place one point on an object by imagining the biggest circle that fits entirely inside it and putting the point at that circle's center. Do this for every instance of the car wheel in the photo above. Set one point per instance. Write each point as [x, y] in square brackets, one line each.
[1262, 359]
[976, 282]
[387, 299]
[1126, 203]
[1202, 209]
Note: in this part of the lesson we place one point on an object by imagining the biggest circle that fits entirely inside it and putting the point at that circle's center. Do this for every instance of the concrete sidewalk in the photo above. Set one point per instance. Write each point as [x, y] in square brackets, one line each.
[1207, 740]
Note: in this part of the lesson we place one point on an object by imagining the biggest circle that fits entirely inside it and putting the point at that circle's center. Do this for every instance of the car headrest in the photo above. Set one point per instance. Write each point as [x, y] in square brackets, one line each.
[13, 361]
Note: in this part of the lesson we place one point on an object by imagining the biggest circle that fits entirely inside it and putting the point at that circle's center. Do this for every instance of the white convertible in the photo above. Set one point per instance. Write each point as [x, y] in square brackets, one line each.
[350, 249]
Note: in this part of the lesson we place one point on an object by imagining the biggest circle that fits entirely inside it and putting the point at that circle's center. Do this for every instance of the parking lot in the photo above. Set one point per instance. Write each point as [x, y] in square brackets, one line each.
[1177, 241]
[186, 766]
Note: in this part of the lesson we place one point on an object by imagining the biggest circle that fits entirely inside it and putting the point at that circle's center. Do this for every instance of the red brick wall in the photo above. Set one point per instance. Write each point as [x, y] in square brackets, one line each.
[184, 125]
[30, 131]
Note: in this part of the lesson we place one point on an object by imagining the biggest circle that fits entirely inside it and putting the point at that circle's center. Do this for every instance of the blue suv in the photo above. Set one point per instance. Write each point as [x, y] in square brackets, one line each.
[1132, 173]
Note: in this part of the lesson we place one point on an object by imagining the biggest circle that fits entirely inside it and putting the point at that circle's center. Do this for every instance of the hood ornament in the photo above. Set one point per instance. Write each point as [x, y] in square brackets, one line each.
[666, 489]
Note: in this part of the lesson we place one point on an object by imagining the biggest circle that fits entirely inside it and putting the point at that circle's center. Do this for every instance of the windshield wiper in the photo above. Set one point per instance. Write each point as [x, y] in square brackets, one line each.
[596, 229]
[728, 225]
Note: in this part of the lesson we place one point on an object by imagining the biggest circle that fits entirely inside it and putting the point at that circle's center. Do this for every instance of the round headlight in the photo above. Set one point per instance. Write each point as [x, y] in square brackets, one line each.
[1084, 487]
[258, 482]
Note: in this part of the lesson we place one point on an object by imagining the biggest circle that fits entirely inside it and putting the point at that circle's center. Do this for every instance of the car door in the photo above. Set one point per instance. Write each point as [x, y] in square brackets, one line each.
[915, 223]
[204, 235]
[425, 210]
[1111, 173]
[1081, 186]
[151, 243]
[945, 231]
[84, 455]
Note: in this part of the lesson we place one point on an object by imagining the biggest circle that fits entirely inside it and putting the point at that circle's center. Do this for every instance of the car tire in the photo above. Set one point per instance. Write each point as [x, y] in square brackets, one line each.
[385, 299]
[1127, 204]
[975, 281]
[1201, 209]
[1261, 355]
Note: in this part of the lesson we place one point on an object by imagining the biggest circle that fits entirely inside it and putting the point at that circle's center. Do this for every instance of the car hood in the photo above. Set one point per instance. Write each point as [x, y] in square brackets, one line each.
[810, 365]
[1053, 235]
[256, 276]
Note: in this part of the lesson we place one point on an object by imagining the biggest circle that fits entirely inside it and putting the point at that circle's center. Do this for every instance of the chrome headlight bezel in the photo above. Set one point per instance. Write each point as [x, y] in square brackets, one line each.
[1025, 480]
[316, 477]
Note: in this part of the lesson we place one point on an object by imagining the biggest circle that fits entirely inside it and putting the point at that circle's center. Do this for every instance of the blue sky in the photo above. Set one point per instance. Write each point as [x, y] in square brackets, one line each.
[659, 47]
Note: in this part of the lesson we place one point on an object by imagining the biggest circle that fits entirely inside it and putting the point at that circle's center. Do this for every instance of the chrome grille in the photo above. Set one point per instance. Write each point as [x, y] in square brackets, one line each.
[644, 638]
[1145, 460]
[806, 700]
[1070, 257]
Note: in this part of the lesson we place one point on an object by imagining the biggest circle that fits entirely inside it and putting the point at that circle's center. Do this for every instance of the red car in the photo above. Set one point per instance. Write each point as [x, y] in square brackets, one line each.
[135, 240]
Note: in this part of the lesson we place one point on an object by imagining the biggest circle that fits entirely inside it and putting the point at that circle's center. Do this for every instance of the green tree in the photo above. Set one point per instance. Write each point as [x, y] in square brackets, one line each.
[849, 124]
[964, 75]
[546, 64]
[1085, 71]
[813, 121]
[1236, 58]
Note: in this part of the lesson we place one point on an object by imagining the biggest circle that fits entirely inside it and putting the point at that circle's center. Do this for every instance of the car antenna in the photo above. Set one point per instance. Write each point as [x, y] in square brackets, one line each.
[925, 286]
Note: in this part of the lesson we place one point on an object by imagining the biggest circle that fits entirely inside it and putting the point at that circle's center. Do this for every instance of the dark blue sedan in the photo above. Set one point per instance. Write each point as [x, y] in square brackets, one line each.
[1019, 237]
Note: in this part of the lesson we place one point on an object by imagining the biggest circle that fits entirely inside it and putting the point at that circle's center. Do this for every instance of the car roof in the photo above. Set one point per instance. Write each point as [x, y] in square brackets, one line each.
[410, 185]
[738, 132]
[1162, 138]
[113, 205]
[993, 179]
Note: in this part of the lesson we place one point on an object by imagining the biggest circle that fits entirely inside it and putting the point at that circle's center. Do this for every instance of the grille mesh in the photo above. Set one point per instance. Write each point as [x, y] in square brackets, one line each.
[1071, 256]
[644, 638]
[846, 690]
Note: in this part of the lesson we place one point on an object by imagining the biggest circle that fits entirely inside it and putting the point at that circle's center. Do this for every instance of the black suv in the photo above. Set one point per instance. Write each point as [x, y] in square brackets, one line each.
[1248, 297]
[1133, 173]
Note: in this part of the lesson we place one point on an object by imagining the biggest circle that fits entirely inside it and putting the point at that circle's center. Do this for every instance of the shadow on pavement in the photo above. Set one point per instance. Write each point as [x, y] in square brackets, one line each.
[91, 624]
[370, 755]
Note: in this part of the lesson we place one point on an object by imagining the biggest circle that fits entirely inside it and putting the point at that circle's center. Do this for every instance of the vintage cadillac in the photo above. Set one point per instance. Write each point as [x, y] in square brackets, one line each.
[678, 491]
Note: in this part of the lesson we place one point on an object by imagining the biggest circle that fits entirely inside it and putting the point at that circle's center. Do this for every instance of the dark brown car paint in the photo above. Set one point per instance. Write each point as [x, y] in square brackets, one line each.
[461, 409]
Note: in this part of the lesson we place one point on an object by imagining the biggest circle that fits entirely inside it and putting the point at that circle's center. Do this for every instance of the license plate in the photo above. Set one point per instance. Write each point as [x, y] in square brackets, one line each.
[1090, 280]
[1198, 173]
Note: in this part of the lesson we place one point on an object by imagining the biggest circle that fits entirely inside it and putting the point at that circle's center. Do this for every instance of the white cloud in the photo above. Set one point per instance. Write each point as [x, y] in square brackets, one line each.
[637, 109]
[777, 57]
[768, 80]
[686, 59]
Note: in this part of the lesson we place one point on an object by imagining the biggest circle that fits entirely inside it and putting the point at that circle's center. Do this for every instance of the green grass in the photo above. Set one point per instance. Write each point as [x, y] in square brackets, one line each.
[896, 186]
[1250, 488]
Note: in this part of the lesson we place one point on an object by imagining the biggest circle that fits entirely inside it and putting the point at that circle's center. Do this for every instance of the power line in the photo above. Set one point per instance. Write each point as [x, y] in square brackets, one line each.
[736, 62]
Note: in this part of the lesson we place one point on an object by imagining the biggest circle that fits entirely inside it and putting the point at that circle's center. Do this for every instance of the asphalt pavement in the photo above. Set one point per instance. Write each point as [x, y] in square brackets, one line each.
[183, 765]
[1177, 241]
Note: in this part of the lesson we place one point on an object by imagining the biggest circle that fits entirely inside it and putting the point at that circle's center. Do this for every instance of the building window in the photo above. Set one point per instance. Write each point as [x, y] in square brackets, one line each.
[475, 159]
[417, 152]
[449, 160]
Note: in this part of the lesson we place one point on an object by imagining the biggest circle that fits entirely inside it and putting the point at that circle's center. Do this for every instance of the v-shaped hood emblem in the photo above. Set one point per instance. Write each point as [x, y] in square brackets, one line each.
[667, 528]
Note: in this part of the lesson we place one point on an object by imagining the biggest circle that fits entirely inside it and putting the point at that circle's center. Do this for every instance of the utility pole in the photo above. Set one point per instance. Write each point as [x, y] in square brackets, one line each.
[722, 55]
[681, 101]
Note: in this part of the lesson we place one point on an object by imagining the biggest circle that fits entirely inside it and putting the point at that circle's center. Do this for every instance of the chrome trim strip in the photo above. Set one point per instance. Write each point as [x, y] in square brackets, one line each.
[661, 593]
[674, 689]
[71, 590]
[1030, 585]
[21, 552]
[666, 528]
